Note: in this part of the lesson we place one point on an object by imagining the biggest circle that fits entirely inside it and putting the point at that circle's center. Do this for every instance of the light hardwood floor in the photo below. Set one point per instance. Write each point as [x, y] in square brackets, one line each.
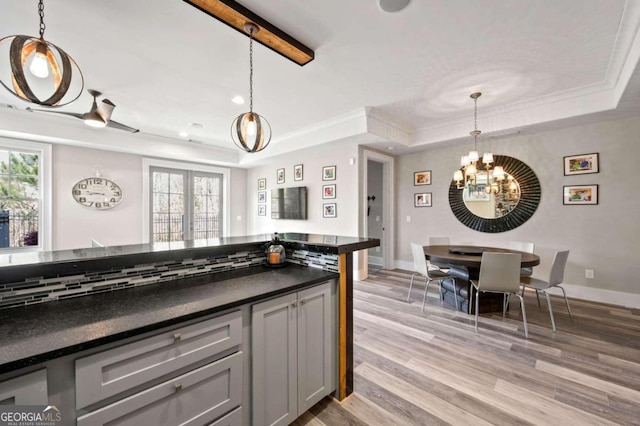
[431, 368]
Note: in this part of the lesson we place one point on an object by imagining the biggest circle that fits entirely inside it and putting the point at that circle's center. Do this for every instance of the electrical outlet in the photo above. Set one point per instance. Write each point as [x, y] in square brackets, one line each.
[408, 218]
[377, 218]
[588, 273]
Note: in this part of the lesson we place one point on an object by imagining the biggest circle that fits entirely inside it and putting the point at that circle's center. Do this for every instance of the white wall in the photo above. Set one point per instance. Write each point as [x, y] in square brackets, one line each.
[336, 154]
[602, 237]
[74, 225]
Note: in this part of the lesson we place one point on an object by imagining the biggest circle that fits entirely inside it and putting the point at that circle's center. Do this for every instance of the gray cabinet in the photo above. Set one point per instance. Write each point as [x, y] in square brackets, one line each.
[28, 389]
[293, 354]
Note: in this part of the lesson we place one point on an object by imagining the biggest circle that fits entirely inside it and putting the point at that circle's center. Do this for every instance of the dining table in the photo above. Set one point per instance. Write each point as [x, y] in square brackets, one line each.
[463, 263]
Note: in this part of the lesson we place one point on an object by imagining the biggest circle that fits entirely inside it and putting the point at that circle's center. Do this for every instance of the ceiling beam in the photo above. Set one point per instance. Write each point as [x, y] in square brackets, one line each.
[236, 16]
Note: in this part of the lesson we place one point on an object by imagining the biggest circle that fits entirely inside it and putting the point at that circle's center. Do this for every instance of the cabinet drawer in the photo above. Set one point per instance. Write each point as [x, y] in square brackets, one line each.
[30, 389]
[234, 418]
[195, 398]
[122, 368]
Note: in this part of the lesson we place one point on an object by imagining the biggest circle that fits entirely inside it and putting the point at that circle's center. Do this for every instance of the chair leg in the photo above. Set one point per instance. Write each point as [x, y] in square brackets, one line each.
[538, 297]
[411, 285]
[426, 287]
[553, 322]
[566, 301]
[477, 308]
[470, 304]
[524, 316]
[505, 302]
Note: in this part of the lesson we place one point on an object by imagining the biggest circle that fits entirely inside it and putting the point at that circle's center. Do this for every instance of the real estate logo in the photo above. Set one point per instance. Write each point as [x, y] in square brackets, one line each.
[30, 415]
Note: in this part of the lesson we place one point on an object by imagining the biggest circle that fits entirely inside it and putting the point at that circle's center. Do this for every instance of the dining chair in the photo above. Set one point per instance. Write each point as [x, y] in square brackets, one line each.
[499, 273]
[526, 247]
[556, 276]
[421, 267]
[439, 241]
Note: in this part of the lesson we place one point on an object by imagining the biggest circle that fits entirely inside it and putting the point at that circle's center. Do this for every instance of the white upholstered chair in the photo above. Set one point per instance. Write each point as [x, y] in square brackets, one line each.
[526, 247]
[421, 268]
[556, 276]
[499, 273]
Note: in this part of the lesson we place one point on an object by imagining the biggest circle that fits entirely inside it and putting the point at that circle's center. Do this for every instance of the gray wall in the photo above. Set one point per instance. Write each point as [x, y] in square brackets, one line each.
[601, 237]
[336, 154]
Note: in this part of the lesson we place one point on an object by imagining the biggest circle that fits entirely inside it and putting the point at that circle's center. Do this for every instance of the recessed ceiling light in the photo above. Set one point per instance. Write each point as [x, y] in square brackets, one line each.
[390, 148]
[196, 125]
[183, 134]
[392, 6]
[238, 100]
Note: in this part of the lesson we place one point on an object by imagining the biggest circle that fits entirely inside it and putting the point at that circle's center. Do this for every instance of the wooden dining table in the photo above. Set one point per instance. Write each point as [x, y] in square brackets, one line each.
[464, 265]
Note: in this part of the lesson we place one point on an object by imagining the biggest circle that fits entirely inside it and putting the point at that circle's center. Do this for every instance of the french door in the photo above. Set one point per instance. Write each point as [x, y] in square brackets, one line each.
[185, 205]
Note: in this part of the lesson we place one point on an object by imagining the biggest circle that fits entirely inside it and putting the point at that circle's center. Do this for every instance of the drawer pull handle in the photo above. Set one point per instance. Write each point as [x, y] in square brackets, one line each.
[177, 337]
[178, 387]
[294, 305]
[303, 301]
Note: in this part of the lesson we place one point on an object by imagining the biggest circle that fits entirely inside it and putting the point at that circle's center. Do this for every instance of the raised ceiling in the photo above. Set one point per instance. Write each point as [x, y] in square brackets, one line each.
[165, 64]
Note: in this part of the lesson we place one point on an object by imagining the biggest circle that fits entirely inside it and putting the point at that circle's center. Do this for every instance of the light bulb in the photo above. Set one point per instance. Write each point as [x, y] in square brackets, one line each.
[251, 128]
[40, 65]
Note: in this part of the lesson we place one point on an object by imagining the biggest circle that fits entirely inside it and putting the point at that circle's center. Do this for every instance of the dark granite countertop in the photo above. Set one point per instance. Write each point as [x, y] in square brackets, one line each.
[21, 266]
[38, 333]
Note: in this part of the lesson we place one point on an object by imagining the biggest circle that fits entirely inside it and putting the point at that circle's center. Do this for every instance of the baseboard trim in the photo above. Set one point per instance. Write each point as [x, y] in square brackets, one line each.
[601, 295]
[376, 261]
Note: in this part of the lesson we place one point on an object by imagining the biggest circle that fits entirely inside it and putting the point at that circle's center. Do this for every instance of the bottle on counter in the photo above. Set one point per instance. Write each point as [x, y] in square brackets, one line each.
[275, 252]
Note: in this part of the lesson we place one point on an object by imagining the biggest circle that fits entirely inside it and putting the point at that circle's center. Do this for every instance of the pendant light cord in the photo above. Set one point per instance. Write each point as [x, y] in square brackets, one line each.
[41, 13]
[251, 71]
[475, 121]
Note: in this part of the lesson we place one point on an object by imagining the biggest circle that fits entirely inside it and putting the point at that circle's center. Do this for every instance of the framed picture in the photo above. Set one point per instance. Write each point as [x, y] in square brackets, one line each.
[280, 176]
[329, 210]
[581, 164]
[262, 196]
[422, 199]
[297, 172]
[328, 191]
[329, 173]
[262, 209]
[422, 178]
[580, 194]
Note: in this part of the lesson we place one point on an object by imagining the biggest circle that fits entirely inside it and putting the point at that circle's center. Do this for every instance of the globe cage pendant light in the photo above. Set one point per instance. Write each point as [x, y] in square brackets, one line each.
[36, 57]
[250, 131]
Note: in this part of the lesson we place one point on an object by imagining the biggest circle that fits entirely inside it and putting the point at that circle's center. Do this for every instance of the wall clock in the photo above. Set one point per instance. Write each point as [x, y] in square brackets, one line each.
[97, 193]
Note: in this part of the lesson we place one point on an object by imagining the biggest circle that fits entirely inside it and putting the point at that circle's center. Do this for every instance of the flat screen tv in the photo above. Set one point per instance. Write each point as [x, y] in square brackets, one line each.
[289, 203]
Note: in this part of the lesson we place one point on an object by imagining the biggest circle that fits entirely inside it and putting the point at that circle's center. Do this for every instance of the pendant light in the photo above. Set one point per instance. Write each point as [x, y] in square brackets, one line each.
[31, 57]
[250, 131]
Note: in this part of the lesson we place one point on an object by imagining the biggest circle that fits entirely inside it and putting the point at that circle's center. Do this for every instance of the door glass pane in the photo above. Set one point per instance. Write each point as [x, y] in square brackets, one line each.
[207, 206]
[168, 206]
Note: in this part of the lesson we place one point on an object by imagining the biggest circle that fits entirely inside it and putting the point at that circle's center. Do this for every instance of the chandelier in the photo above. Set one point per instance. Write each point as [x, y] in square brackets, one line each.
[37, 66]
[251, 131]
[470, 175]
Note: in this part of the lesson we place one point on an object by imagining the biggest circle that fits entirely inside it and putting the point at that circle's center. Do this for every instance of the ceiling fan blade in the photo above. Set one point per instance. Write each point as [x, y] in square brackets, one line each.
[120, 126]
[72, 114]
[106, 109]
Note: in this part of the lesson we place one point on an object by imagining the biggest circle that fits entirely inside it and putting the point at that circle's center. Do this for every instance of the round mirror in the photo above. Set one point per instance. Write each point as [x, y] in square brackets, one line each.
[490, 198]
[495, 205]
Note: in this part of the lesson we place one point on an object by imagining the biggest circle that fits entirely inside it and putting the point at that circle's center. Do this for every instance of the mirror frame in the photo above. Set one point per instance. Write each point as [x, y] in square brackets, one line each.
[530, 194]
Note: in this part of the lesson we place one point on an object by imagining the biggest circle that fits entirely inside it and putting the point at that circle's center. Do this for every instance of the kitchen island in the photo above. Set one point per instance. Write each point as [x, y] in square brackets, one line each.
[149, 288]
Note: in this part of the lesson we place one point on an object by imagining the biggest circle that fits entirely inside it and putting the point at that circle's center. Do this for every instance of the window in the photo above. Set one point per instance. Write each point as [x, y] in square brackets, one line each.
[24, 189]
[185, 201]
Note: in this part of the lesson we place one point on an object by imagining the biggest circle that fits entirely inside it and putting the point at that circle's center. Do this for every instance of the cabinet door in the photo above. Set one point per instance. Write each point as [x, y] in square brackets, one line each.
[274, 361]
[30, 389]
[315, 346]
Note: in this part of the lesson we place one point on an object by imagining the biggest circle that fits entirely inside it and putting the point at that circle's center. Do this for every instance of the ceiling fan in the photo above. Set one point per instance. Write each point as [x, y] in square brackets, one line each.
[98, 116]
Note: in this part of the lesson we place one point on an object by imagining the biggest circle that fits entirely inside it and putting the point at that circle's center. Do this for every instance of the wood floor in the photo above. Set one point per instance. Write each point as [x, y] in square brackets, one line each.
[431, 368]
